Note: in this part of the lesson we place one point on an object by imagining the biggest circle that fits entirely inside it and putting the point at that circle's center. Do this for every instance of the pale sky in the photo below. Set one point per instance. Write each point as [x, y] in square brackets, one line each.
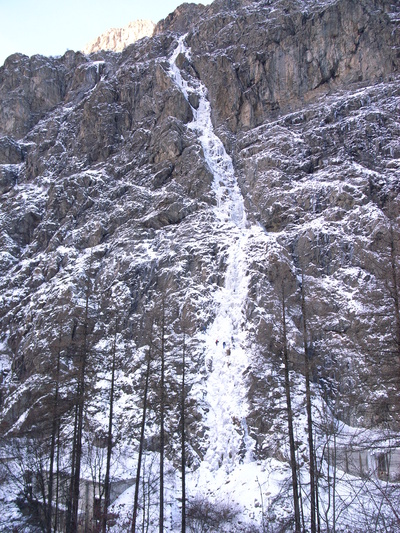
[51, 27]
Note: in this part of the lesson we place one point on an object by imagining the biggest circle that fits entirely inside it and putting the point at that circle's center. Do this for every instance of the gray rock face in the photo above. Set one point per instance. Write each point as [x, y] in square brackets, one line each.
[31, 87]
[297, 52]
[106, 190]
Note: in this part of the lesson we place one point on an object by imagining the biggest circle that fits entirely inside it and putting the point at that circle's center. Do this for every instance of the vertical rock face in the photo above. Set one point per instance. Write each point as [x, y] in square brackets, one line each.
[116, 39]
[31, 87]
[296, 53]
[110, 186]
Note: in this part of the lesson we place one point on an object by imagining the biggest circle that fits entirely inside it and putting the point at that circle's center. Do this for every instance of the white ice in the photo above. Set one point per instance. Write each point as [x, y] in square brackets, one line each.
[225, 354]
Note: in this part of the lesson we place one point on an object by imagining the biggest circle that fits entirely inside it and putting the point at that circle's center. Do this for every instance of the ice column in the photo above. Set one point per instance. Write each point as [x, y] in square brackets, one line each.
[225, 338]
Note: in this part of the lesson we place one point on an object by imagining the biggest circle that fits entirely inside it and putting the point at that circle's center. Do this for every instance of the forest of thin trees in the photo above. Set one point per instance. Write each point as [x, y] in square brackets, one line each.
[50, 460]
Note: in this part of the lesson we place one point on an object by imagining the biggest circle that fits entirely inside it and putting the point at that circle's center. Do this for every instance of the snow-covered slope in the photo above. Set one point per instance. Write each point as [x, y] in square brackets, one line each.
[158, 203]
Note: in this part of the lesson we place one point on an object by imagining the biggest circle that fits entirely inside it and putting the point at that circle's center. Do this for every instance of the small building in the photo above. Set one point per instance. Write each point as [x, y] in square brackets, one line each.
[366, 455]
[380, 463]
[91, 501]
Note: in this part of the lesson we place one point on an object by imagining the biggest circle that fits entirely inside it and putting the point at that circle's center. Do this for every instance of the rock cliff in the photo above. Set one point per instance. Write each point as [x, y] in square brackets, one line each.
[116, 39]
[168, 196]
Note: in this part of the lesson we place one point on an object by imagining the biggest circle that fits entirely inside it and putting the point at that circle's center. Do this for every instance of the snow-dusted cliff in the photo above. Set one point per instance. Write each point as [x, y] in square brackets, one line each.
[160, 208]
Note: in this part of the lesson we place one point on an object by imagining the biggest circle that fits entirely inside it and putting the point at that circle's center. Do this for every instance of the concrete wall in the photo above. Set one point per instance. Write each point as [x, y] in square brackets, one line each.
[381, 463]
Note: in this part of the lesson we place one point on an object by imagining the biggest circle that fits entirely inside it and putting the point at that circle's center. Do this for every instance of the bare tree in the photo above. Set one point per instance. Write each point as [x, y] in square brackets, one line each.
[142, 427]
[183, 435]
[162, 414]
[311, 449]
[76, 456]
[206, 516]
[184, 324]
[110, 431]
[293, 461]
[53, 439]
[394, 275]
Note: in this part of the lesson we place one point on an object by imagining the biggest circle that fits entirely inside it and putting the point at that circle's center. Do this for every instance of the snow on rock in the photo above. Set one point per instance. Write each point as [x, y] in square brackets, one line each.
[163, 198]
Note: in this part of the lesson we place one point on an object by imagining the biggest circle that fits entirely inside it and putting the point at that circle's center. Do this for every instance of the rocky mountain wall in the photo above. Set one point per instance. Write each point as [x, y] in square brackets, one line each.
[112, 196]
[116, 39]
[304, 96]
[294, 55]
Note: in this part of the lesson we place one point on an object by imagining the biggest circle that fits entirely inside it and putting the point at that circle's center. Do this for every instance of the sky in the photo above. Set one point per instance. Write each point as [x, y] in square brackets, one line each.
[50, 27]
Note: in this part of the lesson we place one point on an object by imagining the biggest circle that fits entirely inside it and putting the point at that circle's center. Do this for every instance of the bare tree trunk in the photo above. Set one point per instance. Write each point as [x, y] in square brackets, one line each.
[328, 476]
[141, 441]
[68, 522]
[72, 516]
[183, 437]
[149, 494]
[334, 484]
[144, 500]
[55, 529]
[328, 455]
[303, 524]
[162, 420]
[109, 435]
[293, 462]
[309, 413]
[78, 456]
[55, 424]
[81, 402]
[316, 480]
[395, 286]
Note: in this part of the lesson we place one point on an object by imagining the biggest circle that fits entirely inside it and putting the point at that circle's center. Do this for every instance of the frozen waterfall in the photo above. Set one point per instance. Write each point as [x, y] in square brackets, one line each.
[225, 339]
